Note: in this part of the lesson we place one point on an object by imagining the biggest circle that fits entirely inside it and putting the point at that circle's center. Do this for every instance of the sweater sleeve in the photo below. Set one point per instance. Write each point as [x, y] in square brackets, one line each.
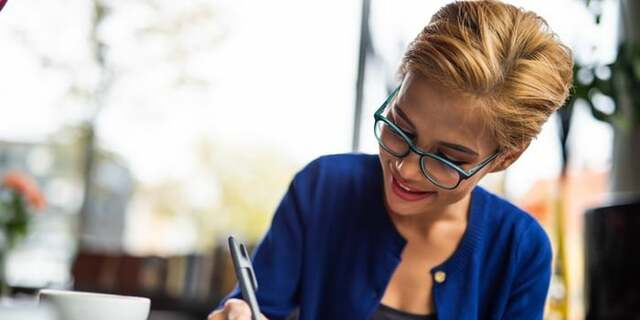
[278, 257]
[533, 275]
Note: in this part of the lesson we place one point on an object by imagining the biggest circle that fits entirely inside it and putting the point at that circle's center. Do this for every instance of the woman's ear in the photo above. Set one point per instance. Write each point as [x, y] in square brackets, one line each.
[504, 160]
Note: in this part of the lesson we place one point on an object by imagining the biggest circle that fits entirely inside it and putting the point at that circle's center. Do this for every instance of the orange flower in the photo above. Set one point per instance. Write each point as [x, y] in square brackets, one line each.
[25, 186]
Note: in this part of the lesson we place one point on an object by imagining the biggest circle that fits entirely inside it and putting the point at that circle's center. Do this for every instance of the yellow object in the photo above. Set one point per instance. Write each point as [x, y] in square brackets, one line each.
[559, 289]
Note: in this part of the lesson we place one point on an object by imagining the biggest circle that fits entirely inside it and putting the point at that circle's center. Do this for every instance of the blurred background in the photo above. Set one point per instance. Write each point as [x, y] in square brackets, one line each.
[155, 128]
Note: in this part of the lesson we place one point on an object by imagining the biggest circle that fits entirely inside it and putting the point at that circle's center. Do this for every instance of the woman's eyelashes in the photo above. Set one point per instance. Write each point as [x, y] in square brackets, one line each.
[412, 136]
[439, 153]
[456, 162]
[407, 133]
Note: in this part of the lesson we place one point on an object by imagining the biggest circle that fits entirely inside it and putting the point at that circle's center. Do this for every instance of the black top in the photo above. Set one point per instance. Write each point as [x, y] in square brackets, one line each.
[388, 313]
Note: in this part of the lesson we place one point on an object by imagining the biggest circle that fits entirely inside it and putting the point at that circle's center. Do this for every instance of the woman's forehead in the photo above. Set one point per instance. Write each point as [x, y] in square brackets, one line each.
[442, 114]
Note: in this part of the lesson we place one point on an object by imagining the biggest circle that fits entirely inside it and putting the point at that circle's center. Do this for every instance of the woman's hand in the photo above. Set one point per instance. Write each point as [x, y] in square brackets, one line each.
[234, 309]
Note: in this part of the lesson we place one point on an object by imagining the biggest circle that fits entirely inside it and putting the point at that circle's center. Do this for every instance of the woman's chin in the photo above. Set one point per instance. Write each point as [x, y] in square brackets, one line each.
[400, 207]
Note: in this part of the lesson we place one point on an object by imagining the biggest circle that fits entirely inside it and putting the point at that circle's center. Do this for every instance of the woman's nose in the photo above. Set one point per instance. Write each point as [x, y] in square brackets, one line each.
[409, 167]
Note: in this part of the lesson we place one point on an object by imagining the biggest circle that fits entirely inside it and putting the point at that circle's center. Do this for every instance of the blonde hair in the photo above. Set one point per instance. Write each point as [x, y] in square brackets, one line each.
[501, 54]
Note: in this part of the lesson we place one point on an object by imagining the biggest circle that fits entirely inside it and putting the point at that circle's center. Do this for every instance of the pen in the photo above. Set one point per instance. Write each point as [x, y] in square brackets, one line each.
[246, 276]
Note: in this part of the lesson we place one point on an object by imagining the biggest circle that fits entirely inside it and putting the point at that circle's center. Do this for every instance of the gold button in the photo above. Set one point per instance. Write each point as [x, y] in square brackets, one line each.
[440, 276]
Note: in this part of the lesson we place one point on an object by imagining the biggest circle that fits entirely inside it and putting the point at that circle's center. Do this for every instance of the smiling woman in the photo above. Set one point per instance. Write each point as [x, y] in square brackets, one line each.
[440, 168]
[407, 233]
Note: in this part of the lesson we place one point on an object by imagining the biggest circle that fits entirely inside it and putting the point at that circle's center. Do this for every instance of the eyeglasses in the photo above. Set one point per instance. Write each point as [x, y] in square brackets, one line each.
[439, 170]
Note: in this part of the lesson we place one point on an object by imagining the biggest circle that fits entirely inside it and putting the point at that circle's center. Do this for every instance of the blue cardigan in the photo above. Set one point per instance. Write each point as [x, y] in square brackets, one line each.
[331, 250]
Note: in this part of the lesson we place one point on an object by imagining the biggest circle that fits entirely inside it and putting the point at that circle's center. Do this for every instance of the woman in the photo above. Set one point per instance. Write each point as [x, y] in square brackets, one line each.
[407, 233]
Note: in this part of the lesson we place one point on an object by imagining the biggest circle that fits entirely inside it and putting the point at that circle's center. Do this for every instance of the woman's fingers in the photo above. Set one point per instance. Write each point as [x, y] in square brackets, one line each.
[234, 309]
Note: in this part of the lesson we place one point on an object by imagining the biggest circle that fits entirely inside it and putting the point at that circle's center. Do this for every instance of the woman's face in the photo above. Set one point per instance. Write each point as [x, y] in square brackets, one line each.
[442, 123]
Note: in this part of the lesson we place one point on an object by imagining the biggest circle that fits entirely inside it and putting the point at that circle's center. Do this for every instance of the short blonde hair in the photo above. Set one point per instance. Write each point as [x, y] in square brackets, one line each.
[505, 56]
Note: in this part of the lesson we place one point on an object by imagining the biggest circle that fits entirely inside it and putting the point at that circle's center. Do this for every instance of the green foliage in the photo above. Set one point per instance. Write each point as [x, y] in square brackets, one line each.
[234, 189]
[14, 218]
[619, 81]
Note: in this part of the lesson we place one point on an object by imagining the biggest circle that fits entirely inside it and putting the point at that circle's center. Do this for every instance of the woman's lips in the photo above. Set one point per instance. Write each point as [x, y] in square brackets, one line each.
[403, 194]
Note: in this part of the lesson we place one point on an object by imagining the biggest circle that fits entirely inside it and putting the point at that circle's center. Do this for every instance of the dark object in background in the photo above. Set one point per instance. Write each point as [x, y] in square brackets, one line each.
[2, 3]
[180, 287]
[612, 235]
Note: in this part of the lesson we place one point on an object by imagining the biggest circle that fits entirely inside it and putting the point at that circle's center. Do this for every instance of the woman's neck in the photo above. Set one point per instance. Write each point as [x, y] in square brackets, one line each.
[420, 225]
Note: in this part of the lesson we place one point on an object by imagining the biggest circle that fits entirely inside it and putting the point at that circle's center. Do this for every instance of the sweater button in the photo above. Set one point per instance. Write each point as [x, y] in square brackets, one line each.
[440, 276]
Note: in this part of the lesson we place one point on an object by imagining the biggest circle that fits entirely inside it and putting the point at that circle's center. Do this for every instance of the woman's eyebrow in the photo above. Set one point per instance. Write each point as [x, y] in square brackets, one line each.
[403, 116]
[459, 148]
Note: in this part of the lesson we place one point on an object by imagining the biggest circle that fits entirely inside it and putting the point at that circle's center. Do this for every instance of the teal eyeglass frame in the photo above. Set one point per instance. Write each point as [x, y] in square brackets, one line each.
[462, 174]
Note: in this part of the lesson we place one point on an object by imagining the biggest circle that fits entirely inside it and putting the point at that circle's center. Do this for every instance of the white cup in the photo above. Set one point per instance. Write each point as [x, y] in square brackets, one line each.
[75, 305]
